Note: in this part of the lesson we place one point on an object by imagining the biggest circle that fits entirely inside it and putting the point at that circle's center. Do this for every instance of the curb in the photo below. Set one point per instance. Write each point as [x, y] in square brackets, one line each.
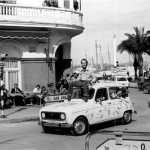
[19, 120]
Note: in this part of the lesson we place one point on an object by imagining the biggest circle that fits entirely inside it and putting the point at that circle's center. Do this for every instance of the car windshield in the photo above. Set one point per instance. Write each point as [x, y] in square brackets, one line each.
[121, 79]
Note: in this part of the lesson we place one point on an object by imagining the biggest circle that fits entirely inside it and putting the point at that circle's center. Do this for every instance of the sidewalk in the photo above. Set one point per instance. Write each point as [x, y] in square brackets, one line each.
[21, 114]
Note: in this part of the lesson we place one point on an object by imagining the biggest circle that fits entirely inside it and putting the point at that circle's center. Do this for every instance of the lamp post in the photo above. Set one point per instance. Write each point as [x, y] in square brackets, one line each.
[2, 57]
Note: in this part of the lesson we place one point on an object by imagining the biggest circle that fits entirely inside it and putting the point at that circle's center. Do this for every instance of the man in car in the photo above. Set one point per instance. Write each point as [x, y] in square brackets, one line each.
[84, 79]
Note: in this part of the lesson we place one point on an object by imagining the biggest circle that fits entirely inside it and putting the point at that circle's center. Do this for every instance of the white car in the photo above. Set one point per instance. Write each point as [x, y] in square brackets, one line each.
[121, 80]
[103, 105]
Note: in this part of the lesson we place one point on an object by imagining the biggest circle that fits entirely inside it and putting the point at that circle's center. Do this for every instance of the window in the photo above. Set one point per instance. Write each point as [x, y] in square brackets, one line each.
[66, 3]
[75, 5]
[118, 92]
[113, 92]
[51, 3]
[121, 79]
[101, 94]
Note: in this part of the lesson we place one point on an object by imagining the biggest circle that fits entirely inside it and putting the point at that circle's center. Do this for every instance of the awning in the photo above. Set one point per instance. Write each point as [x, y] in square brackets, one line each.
[23, 35]
[8, 1]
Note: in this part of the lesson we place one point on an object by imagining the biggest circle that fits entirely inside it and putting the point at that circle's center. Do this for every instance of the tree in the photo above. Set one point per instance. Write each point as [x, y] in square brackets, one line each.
[136, 45]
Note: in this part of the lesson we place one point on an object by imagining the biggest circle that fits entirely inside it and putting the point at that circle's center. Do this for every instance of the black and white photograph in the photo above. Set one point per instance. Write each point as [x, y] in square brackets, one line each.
[74, 75]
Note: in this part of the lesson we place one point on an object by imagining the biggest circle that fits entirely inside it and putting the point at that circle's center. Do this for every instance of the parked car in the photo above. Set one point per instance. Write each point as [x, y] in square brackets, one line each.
[146, 85]
[105, 103]
[122, 80]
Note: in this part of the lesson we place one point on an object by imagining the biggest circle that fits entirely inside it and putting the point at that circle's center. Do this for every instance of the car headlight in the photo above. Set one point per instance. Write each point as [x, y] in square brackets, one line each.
[62, 116]
[43, 115]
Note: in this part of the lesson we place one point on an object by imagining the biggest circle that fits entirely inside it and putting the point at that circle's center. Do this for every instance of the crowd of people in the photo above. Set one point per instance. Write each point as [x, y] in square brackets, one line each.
[74, 85]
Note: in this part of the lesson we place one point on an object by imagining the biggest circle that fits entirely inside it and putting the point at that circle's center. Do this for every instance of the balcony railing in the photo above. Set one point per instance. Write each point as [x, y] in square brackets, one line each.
[47, 15]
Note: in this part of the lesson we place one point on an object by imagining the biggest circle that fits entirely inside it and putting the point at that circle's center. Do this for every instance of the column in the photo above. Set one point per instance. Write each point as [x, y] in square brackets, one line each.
[6, 79]
[61, 3]
[19, 75]
[71, 4]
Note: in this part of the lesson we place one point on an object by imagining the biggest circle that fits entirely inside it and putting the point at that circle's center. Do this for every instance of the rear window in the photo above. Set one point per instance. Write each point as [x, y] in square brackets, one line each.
[121, 79]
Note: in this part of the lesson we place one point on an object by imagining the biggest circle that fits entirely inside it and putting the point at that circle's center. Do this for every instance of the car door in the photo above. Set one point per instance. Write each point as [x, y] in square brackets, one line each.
[101, 111]
[116, 102]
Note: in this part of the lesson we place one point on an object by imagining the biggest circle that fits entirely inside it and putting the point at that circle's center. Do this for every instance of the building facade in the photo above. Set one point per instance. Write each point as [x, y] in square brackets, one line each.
[38, 41]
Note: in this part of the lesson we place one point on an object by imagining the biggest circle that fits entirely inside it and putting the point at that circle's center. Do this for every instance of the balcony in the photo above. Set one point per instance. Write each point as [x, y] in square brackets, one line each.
[45, 17]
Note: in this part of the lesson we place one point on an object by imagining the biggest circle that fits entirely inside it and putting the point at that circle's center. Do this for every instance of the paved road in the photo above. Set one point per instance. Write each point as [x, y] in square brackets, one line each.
[29, 135]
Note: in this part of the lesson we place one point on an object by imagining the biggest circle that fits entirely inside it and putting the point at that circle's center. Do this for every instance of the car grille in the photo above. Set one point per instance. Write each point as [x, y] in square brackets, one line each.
[52, 115]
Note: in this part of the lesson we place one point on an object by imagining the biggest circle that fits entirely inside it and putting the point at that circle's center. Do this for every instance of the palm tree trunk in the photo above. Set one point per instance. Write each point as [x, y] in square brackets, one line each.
[135, 64]
[135, 72]
[140, 65]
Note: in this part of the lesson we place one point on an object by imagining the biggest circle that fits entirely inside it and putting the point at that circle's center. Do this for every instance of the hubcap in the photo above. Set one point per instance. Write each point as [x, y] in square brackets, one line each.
[79, 127]
[127, 117]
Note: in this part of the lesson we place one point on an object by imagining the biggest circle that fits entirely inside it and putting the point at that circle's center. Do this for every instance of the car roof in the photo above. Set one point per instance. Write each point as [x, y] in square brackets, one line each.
[105, 84]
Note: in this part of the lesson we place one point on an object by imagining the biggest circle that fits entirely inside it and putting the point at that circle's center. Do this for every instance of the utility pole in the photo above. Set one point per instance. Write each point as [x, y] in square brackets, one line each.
[101, 56]
[85, 53]
[115, 50]
[96, 52]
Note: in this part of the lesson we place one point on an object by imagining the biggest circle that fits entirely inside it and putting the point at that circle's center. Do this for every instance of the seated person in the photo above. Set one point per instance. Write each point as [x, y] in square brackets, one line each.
[63, 90]
[37, 94]
[51, 90]
[113, 94]
[17, 96]
[44, 94]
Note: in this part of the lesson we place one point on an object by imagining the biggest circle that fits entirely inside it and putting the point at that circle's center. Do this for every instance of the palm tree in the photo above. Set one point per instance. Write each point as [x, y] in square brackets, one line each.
[136, 45]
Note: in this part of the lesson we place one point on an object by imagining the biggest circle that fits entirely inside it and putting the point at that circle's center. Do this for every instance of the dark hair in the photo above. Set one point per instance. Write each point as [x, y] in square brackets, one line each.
[84, 59]
[37, 85]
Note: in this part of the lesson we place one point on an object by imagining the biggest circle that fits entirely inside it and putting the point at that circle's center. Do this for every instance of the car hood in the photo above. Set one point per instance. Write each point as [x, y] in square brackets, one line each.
[70, 106]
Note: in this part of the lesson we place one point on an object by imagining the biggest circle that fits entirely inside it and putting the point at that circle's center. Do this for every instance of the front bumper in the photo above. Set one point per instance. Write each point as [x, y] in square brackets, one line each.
[57, 124]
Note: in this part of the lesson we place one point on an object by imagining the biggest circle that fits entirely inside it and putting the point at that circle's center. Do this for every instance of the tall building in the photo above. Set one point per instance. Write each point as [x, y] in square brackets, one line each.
[38, 40]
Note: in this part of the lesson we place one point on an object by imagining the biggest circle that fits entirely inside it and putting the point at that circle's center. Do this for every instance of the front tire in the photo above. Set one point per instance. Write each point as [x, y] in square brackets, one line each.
[80, 126]
[127, 117]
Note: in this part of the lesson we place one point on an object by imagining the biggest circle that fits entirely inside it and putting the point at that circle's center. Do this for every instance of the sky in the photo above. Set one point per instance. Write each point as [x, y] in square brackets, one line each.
[102, 19]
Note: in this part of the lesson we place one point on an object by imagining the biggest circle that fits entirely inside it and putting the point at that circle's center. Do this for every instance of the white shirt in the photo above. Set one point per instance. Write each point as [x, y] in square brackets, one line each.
[85, 75]
[37, 90]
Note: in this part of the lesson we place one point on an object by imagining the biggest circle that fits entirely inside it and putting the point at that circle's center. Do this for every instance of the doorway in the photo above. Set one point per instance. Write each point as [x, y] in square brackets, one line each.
[61, 64]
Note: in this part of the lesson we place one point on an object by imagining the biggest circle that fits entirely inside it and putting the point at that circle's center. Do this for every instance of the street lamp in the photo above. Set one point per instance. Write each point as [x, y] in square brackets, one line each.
[2, 57]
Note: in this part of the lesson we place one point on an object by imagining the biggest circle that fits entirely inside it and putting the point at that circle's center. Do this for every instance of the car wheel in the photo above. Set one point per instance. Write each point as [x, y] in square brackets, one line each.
[80, 126]
[127, 117]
